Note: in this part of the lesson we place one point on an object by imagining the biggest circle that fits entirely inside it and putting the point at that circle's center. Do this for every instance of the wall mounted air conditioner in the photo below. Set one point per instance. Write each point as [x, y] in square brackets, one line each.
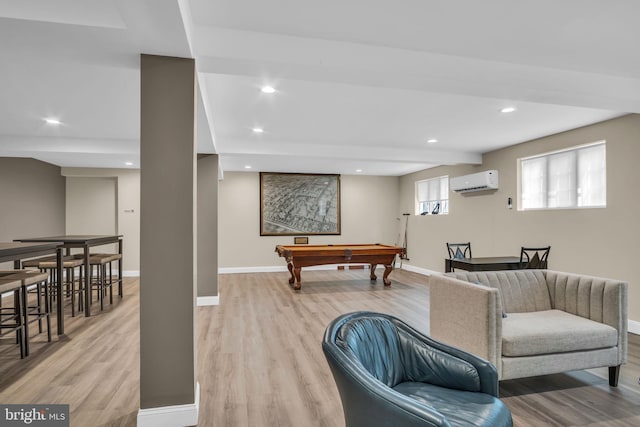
[487, 180]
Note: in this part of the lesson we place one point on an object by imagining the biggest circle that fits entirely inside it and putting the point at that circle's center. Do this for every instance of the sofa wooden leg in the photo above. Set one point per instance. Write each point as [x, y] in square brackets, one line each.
[614, 373]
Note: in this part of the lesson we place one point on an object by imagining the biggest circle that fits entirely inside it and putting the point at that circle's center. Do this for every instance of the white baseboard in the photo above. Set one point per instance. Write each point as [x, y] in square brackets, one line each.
[210, 300]
[633, 326]
[419, 270]
[171, 416]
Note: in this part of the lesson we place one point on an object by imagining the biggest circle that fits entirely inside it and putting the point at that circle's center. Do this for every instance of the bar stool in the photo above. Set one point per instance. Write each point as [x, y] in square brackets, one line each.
[110, 259]
[29, 278]
[100, 261]
[69, 265]
[11, 317]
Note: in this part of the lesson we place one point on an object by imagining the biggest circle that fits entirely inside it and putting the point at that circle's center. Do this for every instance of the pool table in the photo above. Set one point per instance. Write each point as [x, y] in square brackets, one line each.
[298, 256]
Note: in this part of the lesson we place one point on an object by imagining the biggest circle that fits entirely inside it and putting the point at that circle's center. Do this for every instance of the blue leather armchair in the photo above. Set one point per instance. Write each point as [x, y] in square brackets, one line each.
[389, 374]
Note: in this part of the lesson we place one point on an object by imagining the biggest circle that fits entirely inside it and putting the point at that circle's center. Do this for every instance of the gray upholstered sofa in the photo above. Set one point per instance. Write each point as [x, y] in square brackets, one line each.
[532, 322]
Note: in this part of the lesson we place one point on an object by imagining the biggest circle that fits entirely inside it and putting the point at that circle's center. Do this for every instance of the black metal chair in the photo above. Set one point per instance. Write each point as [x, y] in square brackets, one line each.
[388, 374]
[459, 251]
[534, 257]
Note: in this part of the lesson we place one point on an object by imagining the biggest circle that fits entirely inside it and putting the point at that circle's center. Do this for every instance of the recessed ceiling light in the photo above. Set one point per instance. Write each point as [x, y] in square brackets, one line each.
[257, 130]
[128, 163]
[267, 89]
[508, 110]
[247, 166]
[431, 141]
[358, 170]
[52, 121]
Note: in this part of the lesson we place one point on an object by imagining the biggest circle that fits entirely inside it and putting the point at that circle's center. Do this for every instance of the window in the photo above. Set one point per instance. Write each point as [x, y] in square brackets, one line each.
[565, 179]
[432, 196]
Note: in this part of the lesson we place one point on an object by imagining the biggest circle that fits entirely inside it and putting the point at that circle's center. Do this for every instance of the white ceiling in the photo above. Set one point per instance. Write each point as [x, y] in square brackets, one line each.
[361, 84]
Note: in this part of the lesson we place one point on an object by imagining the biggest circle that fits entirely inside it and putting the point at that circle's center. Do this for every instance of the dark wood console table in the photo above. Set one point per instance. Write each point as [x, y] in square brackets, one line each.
[484, 263]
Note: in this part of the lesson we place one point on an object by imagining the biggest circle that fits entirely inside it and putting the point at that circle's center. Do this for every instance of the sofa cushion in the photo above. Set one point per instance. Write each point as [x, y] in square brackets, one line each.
[521, 291]
[553, 331]
[460, 408]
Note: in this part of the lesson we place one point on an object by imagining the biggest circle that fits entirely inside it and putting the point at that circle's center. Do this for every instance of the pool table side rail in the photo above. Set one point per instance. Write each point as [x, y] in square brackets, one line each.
[306, 256]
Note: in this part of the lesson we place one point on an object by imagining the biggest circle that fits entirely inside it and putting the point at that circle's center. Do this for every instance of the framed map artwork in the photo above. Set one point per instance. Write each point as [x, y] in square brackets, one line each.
[299, 203]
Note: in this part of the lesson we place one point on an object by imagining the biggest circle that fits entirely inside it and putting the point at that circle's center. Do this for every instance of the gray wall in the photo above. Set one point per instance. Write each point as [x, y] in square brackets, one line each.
[208, 225]
[167, 232]
[601, 242]
[92, 208]
[127, 207]
[32, 199]
[369, 206]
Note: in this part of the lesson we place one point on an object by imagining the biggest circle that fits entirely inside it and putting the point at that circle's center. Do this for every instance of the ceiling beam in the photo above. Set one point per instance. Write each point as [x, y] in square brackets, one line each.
[355, 152]
[251, 53]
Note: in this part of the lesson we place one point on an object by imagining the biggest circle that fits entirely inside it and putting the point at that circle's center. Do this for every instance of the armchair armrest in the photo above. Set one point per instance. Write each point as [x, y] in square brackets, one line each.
[433, 362]
[467, 316]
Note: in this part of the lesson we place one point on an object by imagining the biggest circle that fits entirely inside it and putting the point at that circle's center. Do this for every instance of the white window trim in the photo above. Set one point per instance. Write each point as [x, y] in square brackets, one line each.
[545, 154]
[417, 200]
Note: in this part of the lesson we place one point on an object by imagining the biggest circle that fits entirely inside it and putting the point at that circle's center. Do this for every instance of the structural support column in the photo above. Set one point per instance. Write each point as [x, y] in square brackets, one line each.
[208, 229]
[168, 242]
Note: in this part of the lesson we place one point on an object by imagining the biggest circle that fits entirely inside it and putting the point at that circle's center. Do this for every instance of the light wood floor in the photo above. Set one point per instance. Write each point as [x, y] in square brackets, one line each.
[260, 361]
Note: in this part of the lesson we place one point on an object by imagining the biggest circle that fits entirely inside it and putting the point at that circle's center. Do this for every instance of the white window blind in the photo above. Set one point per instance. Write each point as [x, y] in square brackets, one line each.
[432, 196]
[565, 179]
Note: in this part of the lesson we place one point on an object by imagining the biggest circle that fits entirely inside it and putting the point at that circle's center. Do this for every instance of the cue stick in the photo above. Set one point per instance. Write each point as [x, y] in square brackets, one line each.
[403, 255]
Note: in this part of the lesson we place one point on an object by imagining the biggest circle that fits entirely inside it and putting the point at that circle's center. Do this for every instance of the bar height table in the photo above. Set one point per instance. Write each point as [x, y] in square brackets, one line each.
[84, 242]
[14, 251]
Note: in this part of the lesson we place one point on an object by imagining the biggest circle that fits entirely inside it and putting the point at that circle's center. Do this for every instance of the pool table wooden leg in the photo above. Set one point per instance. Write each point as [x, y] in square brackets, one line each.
[292, 278]
[387, 270]
[296, 272]
[372, 272]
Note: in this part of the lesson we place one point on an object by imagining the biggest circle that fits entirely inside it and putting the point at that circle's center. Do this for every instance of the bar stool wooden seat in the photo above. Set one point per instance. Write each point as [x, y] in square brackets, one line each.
[29, 278]
[11, 319]
[69, 265]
